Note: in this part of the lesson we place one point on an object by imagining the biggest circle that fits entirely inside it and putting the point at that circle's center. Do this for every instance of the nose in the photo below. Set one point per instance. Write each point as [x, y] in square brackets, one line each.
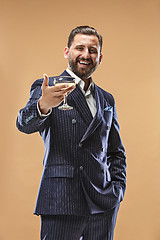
[86, 53]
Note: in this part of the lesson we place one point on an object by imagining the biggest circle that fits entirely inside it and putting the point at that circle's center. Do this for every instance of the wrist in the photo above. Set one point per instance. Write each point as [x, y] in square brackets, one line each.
[43, 109]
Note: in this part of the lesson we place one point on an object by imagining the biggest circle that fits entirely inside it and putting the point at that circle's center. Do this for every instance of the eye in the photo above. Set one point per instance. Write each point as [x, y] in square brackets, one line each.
[93, 50]
[79, 48]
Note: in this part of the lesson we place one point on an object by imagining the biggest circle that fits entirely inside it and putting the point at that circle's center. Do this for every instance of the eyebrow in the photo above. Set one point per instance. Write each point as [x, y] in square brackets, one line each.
[81, 45]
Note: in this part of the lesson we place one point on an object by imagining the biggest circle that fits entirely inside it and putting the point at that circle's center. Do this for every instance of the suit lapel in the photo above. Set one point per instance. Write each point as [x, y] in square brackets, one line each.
[82, 106]
[98, 117]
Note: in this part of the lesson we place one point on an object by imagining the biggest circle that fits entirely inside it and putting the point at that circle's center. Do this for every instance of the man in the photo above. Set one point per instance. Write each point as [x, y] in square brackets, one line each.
[84, 175]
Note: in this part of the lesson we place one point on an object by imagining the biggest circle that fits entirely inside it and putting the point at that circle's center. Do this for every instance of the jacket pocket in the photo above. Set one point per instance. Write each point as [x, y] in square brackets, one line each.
[59, 171]
[108, 115]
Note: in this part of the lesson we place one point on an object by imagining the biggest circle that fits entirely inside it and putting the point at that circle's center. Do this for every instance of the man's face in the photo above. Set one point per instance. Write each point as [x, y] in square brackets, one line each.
[84, 55]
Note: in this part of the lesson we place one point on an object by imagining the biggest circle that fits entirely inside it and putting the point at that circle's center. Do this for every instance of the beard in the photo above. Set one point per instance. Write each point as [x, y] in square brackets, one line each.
[81, 72]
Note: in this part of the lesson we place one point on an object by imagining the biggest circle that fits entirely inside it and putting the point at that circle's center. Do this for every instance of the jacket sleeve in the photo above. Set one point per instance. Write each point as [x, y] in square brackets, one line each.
[116, 154]
[29, 120]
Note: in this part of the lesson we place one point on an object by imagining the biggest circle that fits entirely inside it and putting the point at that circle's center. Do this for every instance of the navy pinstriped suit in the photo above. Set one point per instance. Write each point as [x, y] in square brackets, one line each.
[84, 162]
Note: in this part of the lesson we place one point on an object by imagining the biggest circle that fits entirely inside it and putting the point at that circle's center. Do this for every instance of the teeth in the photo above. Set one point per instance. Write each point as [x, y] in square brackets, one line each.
[84, 63]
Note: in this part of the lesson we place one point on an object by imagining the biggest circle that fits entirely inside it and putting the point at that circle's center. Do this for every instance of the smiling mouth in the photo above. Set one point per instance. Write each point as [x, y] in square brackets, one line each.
[83, 63]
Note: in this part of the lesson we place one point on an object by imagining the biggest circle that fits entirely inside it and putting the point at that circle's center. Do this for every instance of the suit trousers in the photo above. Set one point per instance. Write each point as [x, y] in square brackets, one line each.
[70, 227]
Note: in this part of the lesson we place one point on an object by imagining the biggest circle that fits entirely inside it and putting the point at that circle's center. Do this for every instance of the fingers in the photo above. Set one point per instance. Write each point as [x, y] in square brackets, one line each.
[59, 87]
[64, 87]
[64, 91]
[45, 82]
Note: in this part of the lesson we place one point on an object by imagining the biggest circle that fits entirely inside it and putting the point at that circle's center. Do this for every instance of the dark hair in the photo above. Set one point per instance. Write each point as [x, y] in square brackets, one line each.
[84, 30]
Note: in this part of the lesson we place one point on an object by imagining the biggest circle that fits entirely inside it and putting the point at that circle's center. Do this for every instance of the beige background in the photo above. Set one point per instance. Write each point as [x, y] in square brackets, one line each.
[33, 36]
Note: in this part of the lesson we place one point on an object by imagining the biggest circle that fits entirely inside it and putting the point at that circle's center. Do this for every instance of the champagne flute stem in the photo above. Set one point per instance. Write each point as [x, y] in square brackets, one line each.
[65, 99]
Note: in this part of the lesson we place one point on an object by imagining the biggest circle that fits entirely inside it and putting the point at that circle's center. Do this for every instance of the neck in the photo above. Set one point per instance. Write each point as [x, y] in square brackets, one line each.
[87, 82]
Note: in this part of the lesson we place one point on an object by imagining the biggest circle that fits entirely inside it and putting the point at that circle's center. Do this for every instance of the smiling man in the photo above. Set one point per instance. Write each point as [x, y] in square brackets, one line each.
[84, 176]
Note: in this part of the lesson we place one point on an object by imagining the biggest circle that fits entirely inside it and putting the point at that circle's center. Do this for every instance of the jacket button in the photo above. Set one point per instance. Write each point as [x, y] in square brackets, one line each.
[80, 145]
[108, 127]
[74, 121]
[81, 168]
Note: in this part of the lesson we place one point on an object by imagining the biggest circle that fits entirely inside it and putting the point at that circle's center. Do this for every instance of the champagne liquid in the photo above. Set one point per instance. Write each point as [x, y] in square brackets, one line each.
[66, 83]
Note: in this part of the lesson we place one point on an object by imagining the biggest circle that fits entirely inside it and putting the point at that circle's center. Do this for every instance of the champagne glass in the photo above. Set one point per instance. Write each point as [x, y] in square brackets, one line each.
[69, 81]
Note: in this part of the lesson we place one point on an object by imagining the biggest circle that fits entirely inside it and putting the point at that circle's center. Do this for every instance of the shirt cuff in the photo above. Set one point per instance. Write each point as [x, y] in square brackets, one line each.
[41, 114]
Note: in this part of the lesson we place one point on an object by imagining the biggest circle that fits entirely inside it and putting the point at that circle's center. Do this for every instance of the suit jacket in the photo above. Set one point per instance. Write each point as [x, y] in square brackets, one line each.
[84, 161]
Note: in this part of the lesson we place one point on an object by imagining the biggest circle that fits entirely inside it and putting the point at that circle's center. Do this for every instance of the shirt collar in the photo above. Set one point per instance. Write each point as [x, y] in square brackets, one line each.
[80, 82]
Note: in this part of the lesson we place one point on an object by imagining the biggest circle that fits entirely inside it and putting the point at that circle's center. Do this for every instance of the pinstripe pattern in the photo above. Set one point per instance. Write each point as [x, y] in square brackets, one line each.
[93, 227]
[62, 227]
[84, 162]
[101, 226]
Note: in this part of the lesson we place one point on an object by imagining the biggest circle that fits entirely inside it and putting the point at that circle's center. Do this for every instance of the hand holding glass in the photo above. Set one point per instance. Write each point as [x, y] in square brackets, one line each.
[69, 81]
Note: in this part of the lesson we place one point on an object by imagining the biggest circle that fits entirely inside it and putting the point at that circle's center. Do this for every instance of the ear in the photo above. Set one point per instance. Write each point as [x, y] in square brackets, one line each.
[66, 52]
[100, 58]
